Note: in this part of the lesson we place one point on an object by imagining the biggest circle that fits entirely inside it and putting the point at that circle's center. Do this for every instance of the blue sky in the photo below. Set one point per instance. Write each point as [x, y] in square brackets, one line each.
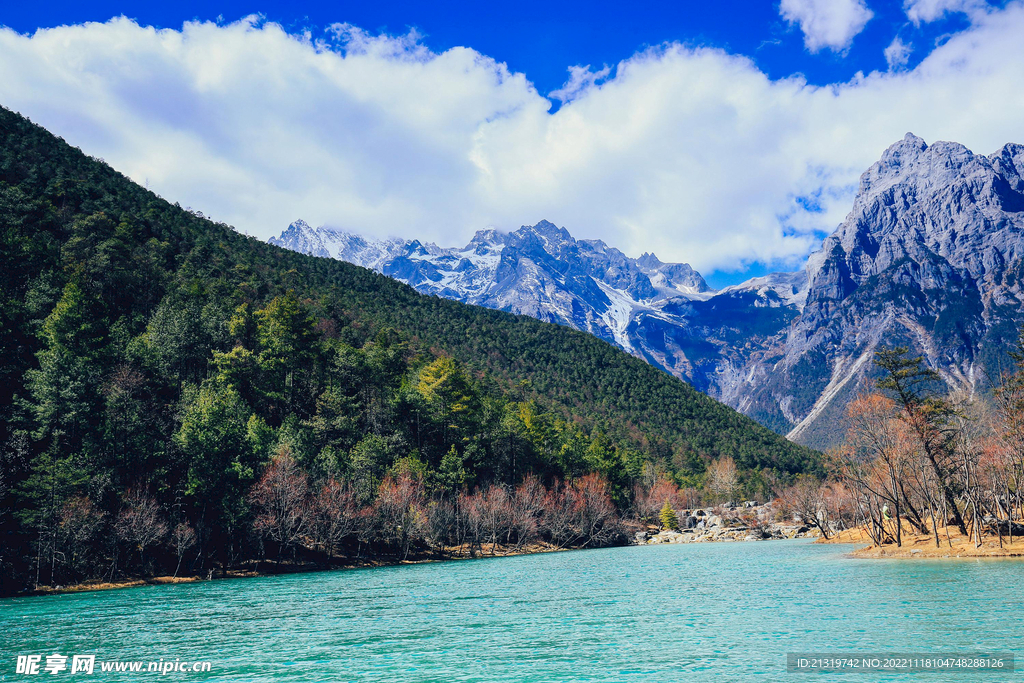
[542, 39]
[706, 139]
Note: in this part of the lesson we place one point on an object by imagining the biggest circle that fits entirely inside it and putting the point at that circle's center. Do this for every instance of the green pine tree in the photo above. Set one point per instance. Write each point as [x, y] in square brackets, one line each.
[668, 517]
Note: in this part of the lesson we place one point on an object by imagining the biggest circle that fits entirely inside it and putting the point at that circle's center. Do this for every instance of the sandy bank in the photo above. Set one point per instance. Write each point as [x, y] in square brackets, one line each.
[917, 546]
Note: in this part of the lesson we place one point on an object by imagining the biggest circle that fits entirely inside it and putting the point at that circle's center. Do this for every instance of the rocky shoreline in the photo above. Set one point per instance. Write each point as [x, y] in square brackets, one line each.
[748, 521]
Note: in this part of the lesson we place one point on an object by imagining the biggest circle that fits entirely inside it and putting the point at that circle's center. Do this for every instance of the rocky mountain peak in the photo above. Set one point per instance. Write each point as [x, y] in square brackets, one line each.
[910, 147]
[487, 238]
[918, 202]
[1009, 162]
[306, 238]
[648, 260]
[550, 234]
[539, 270]
[932, 242]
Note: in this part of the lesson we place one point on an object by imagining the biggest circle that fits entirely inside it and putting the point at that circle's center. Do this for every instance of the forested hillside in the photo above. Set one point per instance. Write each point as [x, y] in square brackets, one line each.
[154, 363]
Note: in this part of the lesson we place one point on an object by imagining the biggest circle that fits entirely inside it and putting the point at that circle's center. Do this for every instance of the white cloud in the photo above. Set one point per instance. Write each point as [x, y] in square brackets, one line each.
[898, 53]
[581, 78]
[924, 11]
[692, 153]
[827, 23]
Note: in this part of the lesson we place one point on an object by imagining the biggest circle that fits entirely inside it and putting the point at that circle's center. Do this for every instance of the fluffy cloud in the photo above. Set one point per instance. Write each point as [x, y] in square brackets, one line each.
[924, 11]
[692, 153]
[580, 79]
[827, 23]
[898, 53]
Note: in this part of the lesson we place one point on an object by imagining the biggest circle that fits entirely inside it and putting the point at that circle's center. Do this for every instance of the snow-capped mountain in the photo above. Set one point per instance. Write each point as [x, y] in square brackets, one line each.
[931, 256]
[538, 270]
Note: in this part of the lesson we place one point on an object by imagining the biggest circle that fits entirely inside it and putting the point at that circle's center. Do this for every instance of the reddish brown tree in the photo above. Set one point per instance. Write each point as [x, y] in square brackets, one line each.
[650, 500]
[524, 508]
[559, 517]
[279, 499]
[471, 512]
[335, 514]
[443, 528]
[594, 510]
[496, 515]
[722, 478]
[805, 499]
[77, 523]
[399, 514]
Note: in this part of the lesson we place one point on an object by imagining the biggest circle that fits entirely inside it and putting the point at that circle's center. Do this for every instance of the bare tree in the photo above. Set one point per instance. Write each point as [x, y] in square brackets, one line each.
[995, 478]
[594, 510]
[884, 452]
[497, 517]
[443, 524]
[559, 517]
[78, 520]
[966, 440]
[1010, 410]
[471, 512]
[928, 417]
[525, 507]
[805, 499]
[722, 478]
[279, 498]
[183, 537]
[140, 522]
[689, 498]
[840, 505]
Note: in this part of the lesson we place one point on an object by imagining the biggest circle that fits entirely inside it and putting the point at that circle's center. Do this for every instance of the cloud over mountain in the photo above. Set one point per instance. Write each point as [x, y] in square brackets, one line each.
[690, 152]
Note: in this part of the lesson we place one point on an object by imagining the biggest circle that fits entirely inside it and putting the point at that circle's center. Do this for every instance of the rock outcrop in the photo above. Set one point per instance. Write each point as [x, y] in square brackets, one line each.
[749, 523]
[930, 258]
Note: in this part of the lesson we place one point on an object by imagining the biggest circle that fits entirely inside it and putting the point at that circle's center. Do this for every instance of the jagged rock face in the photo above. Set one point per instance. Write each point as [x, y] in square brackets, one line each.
[930, 257]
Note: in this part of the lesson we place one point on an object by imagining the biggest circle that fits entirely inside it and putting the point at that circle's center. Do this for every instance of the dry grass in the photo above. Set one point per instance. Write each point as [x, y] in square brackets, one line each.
[100, 585]
[916, 545]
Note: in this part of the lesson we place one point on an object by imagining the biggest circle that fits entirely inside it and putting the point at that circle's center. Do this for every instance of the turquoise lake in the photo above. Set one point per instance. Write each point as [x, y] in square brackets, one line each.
[708, 612]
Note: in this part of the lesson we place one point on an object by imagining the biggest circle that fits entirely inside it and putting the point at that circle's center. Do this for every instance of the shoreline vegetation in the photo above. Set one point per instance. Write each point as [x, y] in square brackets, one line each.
[747, 521]
[262, 568]
[719, 524]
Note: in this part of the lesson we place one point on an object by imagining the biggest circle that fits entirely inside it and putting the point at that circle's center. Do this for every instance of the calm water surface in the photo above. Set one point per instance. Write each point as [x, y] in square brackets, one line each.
[710, 612]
